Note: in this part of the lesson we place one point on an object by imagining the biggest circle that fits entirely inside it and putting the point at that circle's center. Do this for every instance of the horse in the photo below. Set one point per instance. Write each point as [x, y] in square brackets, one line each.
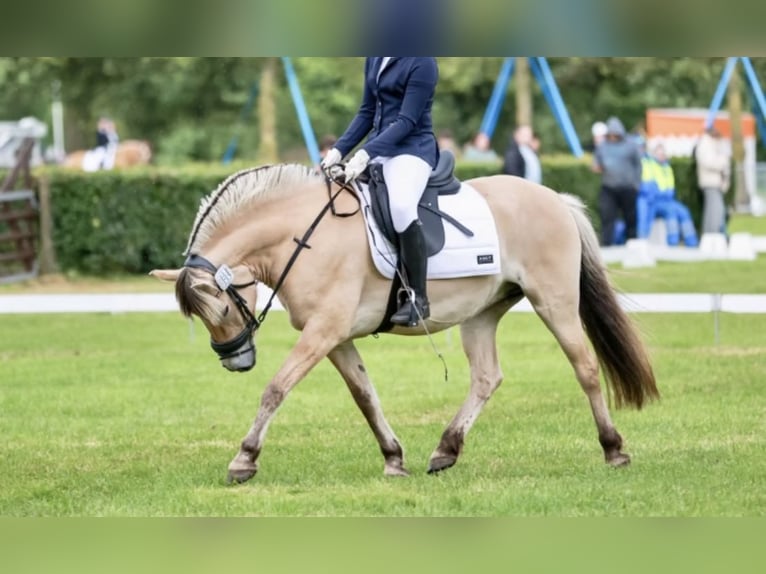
[129, 153]
[270, 224]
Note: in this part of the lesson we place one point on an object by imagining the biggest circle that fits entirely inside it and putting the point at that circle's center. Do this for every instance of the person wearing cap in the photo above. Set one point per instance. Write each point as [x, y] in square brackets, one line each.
[598, 133]
[618, 160]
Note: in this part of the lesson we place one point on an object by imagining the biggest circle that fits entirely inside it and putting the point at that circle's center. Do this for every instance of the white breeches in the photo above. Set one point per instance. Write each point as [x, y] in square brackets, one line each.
[406, 178]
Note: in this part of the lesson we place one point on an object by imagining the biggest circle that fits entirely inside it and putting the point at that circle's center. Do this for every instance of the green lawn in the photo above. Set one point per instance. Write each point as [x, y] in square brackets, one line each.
[700, 277]
[126, 415]
[747, 224]
[693, 277]
[666, 277]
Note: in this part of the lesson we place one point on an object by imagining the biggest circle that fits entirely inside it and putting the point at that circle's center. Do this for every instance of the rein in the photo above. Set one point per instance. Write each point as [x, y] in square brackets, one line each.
[223, 276]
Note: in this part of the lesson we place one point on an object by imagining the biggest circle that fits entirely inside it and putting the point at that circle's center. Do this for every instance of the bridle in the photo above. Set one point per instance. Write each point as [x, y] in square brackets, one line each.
[224, 279]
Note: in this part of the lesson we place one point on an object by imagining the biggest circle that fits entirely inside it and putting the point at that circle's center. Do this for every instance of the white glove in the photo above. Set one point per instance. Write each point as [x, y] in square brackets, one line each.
[330, 159]
[336, 171]
[356, 165]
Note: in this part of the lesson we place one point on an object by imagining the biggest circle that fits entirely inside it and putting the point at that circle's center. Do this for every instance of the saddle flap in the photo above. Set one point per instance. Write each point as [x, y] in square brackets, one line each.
[441, 182]
[433, 227]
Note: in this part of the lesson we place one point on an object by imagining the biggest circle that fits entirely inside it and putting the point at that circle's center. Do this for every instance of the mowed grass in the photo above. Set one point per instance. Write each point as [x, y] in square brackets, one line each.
[701, 276]
[721, 276]
[131, 415]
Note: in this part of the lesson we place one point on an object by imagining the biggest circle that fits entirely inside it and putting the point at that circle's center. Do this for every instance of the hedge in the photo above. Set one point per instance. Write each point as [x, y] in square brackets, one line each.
[134, 221]
[568, 174]
[125, 221]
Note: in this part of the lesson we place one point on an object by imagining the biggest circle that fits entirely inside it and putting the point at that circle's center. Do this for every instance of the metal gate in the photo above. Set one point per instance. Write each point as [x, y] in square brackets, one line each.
[19, 222]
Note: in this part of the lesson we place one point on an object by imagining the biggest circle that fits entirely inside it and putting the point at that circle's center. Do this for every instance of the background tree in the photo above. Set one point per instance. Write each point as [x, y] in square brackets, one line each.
[189, 108]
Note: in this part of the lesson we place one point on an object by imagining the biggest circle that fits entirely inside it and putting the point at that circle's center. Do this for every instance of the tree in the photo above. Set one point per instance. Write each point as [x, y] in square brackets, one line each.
[267, 147]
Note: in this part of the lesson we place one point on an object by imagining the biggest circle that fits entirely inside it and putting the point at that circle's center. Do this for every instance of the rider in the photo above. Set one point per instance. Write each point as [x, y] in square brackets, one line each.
[396, 112]
[106, 142]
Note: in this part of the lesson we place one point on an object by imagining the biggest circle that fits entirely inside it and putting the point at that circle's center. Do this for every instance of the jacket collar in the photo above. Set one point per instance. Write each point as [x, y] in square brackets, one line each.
[379, 63]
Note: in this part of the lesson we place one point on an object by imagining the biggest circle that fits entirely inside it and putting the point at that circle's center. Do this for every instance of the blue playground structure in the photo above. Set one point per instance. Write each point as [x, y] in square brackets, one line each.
[300, 108]
[544, 77]
[756, 93]
[538, 66]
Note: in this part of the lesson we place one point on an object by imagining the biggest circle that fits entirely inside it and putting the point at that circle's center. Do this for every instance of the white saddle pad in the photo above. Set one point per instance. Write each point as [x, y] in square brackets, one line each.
[461, 256]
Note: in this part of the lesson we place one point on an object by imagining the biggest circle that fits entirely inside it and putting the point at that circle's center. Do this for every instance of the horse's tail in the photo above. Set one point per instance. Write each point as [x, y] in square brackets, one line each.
[621, 353]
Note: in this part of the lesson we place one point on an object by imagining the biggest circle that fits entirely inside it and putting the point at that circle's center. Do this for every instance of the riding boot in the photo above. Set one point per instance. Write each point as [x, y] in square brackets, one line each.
[413, 303]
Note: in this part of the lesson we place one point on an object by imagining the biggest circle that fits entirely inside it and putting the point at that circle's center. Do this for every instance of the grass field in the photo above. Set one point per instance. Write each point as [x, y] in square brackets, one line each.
[698, 277]
[131, 415]
[126, 415]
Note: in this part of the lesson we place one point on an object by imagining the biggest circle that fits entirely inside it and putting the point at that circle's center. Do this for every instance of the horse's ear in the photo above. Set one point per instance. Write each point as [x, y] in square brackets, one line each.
[166, 274]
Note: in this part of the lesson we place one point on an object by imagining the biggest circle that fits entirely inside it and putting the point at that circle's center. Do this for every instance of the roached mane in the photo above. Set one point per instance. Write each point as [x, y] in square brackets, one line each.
[239, 190]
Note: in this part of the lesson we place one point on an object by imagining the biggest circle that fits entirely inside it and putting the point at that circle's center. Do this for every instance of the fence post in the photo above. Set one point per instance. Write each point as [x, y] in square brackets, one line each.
[47, 259]
[717, 317]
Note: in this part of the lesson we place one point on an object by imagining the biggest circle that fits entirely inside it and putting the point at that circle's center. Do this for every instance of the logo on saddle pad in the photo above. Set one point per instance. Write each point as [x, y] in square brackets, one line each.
[485, 259]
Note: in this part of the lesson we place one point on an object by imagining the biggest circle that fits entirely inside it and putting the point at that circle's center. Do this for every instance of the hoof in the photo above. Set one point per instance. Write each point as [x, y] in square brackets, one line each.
[395, 470]
[439, 463]
[618, 460]
[241, 473]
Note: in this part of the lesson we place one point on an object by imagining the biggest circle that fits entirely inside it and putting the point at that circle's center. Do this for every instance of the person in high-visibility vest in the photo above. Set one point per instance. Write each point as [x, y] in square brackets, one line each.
[656, 199]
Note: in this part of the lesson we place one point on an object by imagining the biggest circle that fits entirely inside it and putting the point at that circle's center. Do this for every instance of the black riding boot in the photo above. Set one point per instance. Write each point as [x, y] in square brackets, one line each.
[412, 255]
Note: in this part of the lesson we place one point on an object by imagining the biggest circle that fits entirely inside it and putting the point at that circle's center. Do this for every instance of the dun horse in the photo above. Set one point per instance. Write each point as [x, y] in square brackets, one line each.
[129, 153]
[249, 230]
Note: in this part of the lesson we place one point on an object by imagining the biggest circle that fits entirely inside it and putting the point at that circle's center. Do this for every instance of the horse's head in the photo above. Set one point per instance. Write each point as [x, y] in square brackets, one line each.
[224, 299]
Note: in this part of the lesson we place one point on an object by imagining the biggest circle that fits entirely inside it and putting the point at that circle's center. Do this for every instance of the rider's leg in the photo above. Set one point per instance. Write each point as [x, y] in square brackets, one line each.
[406, 178]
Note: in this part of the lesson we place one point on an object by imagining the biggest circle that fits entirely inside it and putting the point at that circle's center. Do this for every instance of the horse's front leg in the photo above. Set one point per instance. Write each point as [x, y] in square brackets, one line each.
[346, 359]
[312, 346]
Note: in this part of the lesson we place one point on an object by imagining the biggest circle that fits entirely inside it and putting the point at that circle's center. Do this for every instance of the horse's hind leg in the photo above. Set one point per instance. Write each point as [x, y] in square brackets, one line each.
[478, 336]
[346, 359]
[560, 314]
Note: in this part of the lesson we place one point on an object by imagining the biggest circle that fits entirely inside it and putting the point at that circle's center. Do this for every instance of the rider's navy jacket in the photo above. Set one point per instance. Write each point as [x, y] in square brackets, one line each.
[396, 110]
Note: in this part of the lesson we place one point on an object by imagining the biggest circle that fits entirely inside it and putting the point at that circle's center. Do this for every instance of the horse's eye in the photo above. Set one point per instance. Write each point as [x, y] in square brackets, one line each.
[226, 311]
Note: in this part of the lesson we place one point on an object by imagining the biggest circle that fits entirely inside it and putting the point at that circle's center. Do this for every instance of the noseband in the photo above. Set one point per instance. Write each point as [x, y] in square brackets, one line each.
[223, 278]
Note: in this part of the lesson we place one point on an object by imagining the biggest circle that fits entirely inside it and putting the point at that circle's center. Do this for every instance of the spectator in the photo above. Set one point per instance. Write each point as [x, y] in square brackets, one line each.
[521, 158]
[598, 133]
[326, 143]
[446, 142]
[713, 178]
[479, 149]
[514, 162]
[618, 160]
[656, 198]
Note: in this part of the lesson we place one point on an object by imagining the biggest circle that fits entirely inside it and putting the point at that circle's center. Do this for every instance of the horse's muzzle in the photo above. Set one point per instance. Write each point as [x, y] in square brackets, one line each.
[237, 354]
[241, 361]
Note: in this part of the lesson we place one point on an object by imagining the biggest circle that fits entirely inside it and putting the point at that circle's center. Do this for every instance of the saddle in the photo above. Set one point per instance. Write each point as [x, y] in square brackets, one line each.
[441, 182]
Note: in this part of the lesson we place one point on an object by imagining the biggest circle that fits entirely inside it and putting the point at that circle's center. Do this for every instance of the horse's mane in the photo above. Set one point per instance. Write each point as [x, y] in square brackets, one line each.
[240, 190]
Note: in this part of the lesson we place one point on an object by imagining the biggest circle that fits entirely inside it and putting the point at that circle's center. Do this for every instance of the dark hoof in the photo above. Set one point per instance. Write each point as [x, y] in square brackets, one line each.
[441, 463]
[240, 476]
[618, 460]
